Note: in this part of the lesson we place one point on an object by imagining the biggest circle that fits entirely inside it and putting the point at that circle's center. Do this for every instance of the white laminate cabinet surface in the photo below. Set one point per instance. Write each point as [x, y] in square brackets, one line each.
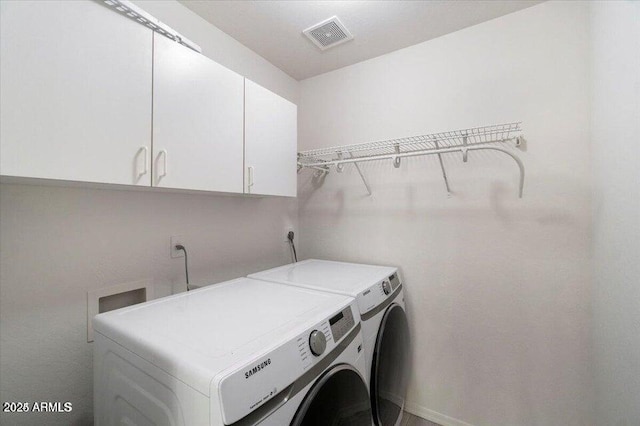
[197, 121]
[76, 93]
[270, 142]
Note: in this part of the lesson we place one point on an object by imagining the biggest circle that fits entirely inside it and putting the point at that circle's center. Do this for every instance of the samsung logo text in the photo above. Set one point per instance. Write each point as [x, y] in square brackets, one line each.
[257, 368]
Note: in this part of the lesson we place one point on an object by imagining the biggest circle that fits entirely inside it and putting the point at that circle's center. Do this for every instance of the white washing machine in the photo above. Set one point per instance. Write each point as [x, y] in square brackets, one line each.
[380, 298]
[240, 353]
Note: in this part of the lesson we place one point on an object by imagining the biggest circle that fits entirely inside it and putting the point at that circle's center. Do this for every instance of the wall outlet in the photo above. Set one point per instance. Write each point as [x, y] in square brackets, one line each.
[175, 241]
[286, 234]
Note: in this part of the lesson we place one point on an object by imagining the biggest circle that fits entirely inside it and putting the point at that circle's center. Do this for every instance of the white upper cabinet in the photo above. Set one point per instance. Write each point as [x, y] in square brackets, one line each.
[76, 93]
[89, 95]
[197, 121]
[270, 142]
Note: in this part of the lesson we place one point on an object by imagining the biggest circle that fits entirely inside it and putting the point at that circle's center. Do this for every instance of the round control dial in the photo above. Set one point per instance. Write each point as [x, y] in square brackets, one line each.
[386, 287]
[317, 342]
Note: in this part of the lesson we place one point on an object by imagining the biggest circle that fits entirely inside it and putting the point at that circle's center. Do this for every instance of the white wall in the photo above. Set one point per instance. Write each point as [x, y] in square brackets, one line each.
[616, 214]
[498, 288]
[57, 243]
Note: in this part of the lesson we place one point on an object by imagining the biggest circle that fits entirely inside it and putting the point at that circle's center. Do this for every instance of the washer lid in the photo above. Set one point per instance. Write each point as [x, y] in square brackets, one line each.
[339, 277]
[196, 335]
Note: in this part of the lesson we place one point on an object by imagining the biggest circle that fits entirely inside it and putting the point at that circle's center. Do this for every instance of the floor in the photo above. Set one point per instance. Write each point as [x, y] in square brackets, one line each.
[411, 420]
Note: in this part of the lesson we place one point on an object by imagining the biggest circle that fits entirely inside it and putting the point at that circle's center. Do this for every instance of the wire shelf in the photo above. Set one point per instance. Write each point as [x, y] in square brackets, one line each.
[495, 137]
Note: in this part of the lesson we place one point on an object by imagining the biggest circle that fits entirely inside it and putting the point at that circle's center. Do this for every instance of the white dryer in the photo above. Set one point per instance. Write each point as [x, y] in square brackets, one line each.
[380, 298]
[240, 353]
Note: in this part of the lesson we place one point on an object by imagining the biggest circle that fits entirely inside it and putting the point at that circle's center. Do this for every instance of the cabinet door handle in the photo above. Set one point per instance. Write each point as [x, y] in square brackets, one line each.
[163, 153]
[250, 178]
[144, 161]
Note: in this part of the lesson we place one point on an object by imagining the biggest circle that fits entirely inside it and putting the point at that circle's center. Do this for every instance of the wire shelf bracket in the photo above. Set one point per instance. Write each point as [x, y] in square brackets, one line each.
[502, 138]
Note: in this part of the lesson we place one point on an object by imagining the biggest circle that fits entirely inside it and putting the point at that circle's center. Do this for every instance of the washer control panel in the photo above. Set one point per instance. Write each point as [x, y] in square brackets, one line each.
[341, 323]
[267, 373]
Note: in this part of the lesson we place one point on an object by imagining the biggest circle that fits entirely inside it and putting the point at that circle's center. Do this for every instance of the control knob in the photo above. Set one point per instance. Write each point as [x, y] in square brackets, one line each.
[317, 342]
[386, 287]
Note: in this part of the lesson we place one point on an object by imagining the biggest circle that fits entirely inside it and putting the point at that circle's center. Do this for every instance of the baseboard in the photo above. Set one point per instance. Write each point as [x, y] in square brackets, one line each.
[432, 416]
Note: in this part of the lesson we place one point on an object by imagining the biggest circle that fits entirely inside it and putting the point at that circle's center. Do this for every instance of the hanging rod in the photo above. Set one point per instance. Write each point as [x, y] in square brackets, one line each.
[494, 137]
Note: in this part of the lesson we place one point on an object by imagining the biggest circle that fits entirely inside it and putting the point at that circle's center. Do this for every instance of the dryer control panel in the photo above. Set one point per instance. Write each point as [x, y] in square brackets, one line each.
[395, 281]
[378, 293]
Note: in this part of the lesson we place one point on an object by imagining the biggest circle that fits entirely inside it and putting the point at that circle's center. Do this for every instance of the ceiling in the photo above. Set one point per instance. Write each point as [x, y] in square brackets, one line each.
[273, 29]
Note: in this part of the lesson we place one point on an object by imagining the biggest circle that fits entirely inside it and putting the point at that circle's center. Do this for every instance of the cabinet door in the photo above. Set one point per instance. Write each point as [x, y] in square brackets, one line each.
[270, 142]
[76, 93]
[197, 121]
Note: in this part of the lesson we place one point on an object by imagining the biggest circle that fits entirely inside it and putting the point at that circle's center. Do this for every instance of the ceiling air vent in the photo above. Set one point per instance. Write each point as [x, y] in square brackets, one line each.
[328, 33]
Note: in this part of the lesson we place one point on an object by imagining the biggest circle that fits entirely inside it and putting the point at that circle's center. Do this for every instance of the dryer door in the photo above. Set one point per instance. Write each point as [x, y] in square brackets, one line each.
[338, 398]
[390, 367]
